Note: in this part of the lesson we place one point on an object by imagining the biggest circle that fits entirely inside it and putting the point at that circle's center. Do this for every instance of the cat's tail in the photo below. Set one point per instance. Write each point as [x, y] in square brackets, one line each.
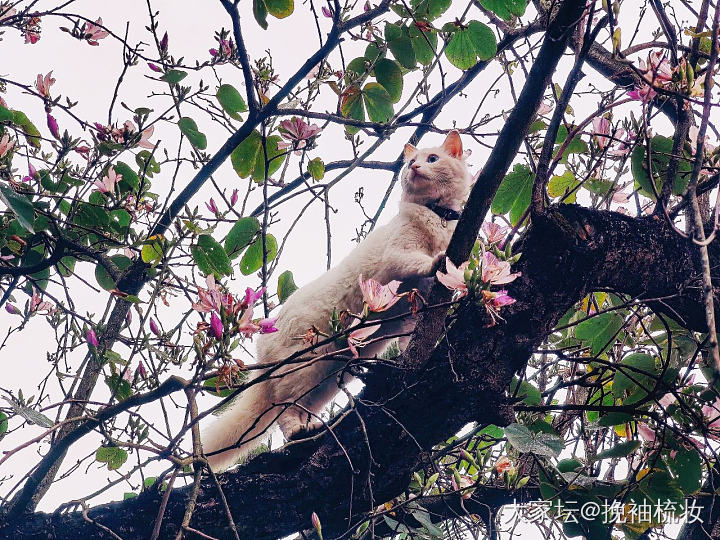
[241, 429]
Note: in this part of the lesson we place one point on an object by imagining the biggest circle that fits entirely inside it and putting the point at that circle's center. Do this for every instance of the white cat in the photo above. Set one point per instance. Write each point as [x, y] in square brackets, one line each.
[435, 183]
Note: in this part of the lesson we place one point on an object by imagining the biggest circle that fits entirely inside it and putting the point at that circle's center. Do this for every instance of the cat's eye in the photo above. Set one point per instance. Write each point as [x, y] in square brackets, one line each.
[432, 158]
[410, 163]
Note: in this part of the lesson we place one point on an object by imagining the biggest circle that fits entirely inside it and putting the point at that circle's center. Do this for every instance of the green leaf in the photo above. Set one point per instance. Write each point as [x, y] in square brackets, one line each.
[6, 115]
[103, 277]
[424, 43]
[260, 13]
[3, 424]
[130, 180]
[527, 392]
[389, 75]
[32, 135]
[687, 468]
[286, 285]
[514, 193]
[280, 8]
[120, 388]
[483, 40]
[622, 449]
[32, 416]
[614, 419]
[631, 385]
[174, 76]
[248, 158]
[112, 455]
[559, 186]
[429, 9]
[598, 331]
[660, 487]
[152, 250]
[524, 440]
[461, 49]
[516, 7]
[316, 168]
[351, 106]
[20, 206]
[377, 102]
[212, 385]
[400, 45]
[190, 130]
[240, 235]
[569, 465]
[499, 7]
[373, 52]
[210, 256]
[252, 260]
[231, 100]
[660, 151]
[147, 163]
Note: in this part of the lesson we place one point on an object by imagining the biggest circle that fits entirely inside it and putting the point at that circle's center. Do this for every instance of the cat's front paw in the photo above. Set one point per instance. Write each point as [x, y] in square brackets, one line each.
[438, 263]
[303, 431]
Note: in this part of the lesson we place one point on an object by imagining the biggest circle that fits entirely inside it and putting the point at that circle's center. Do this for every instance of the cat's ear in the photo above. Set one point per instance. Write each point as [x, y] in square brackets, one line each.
[453, 144]
[409, 152]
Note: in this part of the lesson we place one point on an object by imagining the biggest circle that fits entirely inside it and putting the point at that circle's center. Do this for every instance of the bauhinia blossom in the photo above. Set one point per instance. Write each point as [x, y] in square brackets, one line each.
[657, 70]
[454, 279]
[216, 326]
[234, 197]
[379, 297]
[37, 305]
[252, 296]
[212, 206]
[645, 93]
[357, 338]
[12, 310]
[43, 84]
[210, 298]
[6, 11]
[144, 142]
[495, 271]
[107, 184]
[93, 32]
[53, 126]
[154, 327]
[601, 130]
[267, 325]
[298, 131]
[497, 299]
[6, 144]
[494, 232]
[503, 464]
[92, 339]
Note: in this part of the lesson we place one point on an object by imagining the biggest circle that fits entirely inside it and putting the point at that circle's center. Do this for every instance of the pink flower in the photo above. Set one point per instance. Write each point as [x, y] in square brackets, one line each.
[503, 464]
[155, 68]
[357, 337]
[6, 11]
[210, 298]
[107, 184]
[252, 296]
[216, 326]
[498, 299]
[455, 277]
[712, 414]
[624, 146]
[545, 108]
[379, 297]
[93, 32]
[37, 305]
[246, 325]
[154, 327]
[92, 339]
[129, 133]
[493, 232]
[496, 272]
[31, 173]
[140, 370]
[43, 84]
[667, 400]
[234, 197]
[698, 86]
[646, 432]
[645, 93]
[212, 206]
[316, 521]
[32, 31]
[144, 136]
[601, 128]
[298, 131]
[6, 144]
[327, 12]
[53, 126]
[658, 69]
[267, 326]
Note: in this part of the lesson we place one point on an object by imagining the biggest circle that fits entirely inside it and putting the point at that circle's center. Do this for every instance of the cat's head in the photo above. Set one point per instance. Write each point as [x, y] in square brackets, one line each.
[437, 174]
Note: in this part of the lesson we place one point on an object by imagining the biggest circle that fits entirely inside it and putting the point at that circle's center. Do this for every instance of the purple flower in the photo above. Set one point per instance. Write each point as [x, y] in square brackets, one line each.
[164, 43]
[92, 32]
[92, 339]
[154, 327]
[296, 129]
[234, 197]
[31, 174]
[252, 296]
[645, 93]
[267, 326]
[212, 206]
[53, 126]
[327, 12]
[12, 310]
[155, 68]
[216, 326]
[140, 370]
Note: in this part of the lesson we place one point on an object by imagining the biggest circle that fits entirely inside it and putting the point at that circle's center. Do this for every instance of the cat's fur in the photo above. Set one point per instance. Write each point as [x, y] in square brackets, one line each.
[409, 247]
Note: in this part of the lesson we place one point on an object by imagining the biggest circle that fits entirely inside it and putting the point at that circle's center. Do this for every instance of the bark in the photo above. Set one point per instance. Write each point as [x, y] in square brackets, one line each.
[567, 252]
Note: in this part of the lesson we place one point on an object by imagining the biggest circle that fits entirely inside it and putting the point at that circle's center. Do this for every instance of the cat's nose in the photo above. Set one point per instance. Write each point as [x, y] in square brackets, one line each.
[415, 166]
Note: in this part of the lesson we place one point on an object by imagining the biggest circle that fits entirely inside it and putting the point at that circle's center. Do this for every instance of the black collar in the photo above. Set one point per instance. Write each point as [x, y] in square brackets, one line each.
[446, 214]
